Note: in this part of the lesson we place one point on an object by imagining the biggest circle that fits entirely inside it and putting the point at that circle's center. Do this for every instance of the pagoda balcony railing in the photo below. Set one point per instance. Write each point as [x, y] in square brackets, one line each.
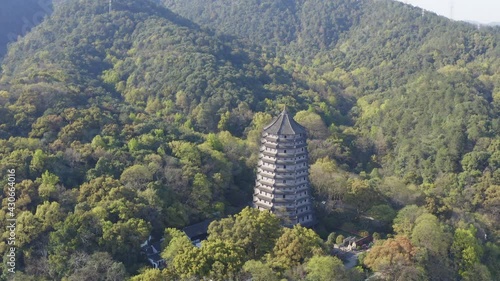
[301, 195]
[290, 197]
[271, 138]
[289, 140]
[263, 205]
[291, 145]
[303, 204]
[296, 169]
[281, 184]
[269, 153]
[291, 177]
[288, 207]
[290, 183]
[289, 157]
[279, 192]
[305, 213]
[268, 185]
[283, 200]
[289, 152]
[286, 154]
[266, 182]
[302, 171]
[267, 173]
[281, 161]
[267, 168]
[265, 188]
[297, 177]
[273, 187]
[268, 159]
[302, 189]
[263, 196]
[301, 152]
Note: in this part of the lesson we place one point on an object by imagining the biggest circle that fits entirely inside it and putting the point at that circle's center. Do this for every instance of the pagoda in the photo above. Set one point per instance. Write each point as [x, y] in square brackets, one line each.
[282, 185]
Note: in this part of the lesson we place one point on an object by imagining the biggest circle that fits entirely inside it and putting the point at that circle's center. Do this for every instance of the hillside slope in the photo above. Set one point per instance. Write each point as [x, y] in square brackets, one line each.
[385, 36]
[136, 56]
[386, 54]
[303, 26]
[121, 103]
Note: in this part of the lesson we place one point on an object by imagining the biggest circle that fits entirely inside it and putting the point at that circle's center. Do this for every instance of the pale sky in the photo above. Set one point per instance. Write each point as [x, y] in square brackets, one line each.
[483, 11]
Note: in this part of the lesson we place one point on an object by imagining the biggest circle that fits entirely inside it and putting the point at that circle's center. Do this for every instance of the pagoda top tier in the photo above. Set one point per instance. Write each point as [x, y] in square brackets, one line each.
[284, 125]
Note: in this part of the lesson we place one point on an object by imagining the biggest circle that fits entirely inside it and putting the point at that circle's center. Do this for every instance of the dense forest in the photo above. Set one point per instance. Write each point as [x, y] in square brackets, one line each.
[147, 118]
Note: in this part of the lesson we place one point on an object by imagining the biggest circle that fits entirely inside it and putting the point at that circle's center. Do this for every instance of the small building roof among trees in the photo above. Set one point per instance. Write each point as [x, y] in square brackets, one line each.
[197, 231]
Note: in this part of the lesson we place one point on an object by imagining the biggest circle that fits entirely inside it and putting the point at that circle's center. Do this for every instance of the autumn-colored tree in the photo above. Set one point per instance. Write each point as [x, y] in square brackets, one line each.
[392, 256]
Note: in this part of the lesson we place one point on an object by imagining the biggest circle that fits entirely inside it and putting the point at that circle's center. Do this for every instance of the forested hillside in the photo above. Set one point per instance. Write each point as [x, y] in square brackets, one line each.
[105, 118]
[376, 51]
[143, 120]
